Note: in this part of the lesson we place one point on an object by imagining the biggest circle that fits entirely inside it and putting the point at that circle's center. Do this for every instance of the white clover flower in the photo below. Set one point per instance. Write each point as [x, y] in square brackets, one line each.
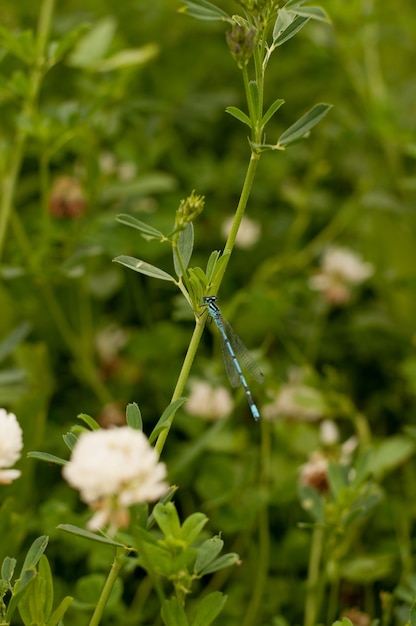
[11, 443]
[248, 233]
[127, 171]
[296, 401]
[114, 469]
[329, 432]
[109, 341]
[208, 402]
[341, 269]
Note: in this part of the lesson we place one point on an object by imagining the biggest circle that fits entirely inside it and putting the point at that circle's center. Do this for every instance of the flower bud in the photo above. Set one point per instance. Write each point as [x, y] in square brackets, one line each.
[240, 40]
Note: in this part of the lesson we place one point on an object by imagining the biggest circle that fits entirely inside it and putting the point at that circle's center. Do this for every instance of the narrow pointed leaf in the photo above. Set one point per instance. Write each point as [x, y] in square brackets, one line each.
[133, 222]
[239, 115]
[70, 440]
[86, 534]
[13, 339]
[203, 10]
[7, 569]
[90, 421]
[254, 98]
[25, 580]
[315, 13]
[134, 417]
[185, 245]
[143, 268]
[166, 418]
[56, 617]
[222, 562]
[48, 458]
[271, 111]
[34, 553]
[302, 127]
[289, 31]
[212, 261]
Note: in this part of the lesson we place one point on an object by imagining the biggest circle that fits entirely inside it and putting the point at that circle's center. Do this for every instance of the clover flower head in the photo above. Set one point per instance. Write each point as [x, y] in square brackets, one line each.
[208, 402]
[114, 469]
[11, 444]
[296, 401]
[341, 269]
[248, 233]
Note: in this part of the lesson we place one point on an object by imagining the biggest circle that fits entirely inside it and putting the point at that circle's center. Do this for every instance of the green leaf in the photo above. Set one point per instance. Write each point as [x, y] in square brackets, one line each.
[185, 245]
[129, 220]
[34, 553]
[212, 261]
[253, 90]
[22, 45]
[166, 418]
[94, 45]
[13, 339]
[148, 183]
[48, 458]
[315, 13]
[287, 27]
[36, 605]
[143, 268]
[209, 608]
[56, 617]
[390, 454]
[192, 527]
[21, 588]
[312, 502]
[303, 125]
[338, 477]
[90, 421]
[203, 10]
[168, 497]
[58, 49]
[207, 552]
[7, 569]
[129, 57]
[221, 563]
[134, 417]
[173, 614]
[271, 111]
[167, 519]
[86, 534]
[368, 569]
[70, 439]
[239, 115]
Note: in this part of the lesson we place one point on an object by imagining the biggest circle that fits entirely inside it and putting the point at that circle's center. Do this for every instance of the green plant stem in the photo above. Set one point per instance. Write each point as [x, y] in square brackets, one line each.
[108, 586]
[12, 175]
[200, 323]
[253, 613]
[183, 377]
[312, 585]
[241, 207]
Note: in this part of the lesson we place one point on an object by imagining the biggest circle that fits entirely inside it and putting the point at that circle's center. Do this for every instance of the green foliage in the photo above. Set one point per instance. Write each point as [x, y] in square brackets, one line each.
[127, 100]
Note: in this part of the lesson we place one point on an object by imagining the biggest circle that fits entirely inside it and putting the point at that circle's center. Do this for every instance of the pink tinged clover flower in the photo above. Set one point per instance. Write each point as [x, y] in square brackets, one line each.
[114, 469]
[341, 270]
[11, 443]
[208, 402]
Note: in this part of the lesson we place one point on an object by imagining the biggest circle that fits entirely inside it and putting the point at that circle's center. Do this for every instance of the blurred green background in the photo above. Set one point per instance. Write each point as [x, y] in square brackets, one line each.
[137, 139]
